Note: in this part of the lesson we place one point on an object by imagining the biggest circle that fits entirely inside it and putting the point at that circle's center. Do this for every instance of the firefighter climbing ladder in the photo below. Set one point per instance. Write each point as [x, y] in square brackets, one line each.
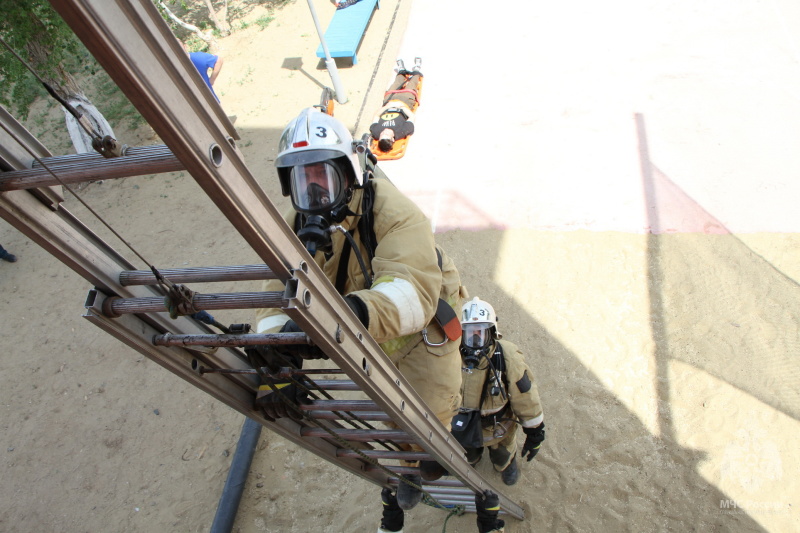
[136, 48]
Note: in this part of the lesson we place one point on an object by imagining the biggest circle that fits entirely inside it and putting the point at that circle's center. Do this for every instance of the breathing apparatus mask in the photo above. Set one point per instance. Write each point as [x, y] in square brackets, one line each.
[476, 340]
[319, 191]
[478, 332]
[318, 167]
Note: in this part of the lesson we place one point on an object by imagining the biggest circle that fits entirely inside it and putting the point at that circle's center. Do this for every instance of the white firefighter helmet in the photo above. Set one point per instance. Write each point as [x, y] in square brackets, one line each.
[478, 324]
[317, 162]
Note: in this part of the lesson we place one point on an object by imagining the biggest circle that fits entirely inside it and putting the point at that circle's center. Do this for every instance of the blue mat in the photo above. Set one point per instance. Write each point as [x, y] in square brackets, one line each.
[347, 28]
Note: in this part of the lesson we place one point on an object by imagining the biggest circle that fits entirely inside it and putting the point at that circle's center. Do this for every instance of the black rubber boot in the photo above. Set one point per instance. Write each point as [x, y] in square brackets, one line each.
[431, 470]
[393, 517]
[407, 496]
[487, 507]
[511, 473]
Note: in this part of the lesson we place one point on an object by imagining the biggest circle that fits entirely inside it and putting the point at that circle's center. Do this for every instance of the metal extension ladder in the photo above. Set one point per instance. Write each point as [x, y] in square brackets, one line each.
[126, 303]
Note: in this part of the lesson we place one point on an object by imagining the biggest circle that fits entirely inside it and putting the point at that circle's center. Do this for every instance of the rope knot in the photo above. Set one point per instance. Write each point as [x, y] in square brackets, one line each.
[179, 301]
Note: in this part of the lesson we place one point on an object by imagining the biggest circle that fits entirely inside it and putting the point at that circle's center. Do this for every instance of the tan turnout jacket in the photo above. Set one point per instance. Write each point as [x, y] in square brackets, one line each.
[523, 395]
[407, 280]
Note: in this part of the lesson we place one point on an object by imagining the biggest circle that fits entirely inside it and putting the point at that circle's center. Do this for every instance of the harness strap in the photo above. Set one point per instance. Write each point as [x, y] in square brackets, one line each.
[366, 224]
[366, 232]
[498, 360]
[495, 418]
[397, 91]
[401, 91]
[341, 272]
[499, 363]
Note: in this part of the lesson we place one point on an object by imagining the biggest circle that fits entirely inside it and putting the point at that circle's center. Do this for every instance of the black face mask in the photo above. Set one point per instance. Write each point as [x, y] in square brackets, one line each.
[316, 235]
[316, 231]
[471, 357]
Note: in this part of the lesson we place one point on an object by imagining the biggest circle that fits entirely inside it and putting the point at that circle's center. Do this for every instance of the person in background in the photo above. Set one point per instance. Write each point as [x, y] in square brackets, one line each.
[395, 120]
[208, 65]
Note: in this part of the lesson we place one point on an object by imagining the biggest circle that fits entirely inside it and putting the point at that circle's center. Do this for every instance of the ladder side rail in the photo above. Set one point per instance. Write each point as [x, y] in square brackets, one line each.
[14, 156]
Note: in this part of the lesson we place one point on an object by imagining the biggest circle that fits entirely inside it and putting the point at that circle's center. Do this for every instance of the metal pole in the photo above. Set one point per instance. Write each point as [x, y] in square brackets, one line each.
[341, 96]
[237, 477]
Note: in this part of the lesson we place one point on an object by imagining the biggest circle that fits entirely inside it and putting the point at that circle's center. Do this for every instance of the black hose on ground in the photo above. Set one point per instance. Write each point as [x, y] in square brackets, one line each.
[237, 477]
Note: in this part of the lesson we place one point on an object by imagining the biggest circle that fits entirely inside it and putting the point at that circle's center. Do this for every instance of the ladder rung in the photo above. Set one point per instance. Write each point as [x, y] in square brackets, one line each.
[197, 275]
[452, 491]
[360, 435]
[376, 416]
[80, 168]
[114, 307]
[466, 499]
[468, 507]
[337, 384]
[249, 339]
[385, 454]
[449, 482]
[404, 470]
[340, 405]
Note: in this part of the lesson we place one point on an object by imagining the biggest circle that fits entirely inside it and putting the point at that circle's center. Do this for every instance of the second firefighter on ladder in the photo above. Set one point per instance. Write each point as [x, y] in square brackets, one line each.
[499, 393]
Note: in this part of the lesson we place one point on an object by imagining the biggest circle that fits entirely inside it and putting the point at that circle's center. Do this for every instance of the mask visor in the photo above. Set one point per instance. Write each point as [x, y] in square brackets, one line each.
[476, 335]
[316, 187]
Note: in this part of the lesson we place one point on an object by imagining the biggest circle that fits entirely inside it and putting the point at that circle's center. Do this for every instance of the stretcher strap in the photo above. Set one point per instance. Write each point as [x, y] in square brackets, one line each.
[412, 91]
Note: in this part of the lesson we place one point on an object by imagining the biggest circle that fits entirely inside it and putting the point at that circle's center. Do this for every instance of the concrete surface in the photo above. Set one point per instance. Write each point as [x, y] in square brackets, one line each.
[625, 115]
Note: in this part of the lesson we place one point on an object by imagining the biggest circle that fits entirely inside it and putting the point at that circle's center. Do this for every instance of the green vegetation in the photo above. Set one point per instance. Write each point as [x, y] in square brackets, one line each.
[38, 34]
[247, 77]
[22, 95]
[41, 38]
[264, 21]
[113, 104]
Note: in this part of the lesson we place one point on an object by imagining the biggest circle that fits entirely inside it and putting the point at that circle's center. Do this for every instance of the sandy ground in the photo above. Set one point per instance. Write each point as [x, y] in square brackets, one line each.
[616, 178]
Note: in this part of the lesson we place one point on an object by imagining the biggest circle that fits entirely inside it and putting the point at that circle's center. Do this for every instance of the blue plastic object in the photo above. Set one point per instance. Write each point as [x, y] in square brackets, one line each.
[346, 30]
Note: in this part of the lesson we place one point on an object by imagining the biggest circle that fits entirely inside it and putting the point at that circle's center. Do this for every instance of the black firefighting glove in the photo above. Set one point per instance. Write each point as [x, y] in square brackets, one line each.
[393, 516]
[265, 355]
[533, 441]
[487, 506]
[283, 402]
[305, 351]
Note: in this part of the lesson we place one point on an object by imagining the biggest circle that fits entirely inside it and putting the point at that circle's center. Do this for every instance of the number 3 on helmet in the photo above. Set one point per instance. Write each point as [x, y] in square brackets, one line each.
[478, 324]
[317, 163]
